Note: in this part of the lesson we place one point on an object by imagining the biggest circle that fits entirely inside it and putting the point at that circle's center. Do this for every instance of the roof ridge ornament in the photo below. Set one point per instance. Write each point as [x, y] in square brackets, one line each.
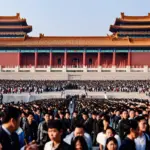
[18, 15]
[122, 15]
[41, 35]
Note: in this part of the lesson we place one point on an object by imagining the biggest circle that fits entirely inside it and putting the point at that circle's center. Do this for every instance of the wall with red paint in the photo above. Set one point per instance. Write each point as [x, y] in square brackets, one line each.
[106, 59]
[121, 59]
[43, 59]
[92, 56]
[140, 59]
[9, 59]
[71, 56]
[55, 57]
[27, 59]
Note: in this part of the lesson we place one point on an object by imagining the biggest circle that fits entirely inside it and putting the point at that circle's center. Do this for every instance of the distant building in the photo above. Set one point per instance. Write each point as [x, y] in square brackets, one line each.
[128, 46]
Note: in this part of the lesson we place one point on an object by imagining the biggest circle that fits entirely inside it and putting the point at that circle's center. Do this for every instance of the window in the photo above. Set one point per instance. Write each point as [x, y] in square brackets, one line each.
[90, 61]
[59, 61]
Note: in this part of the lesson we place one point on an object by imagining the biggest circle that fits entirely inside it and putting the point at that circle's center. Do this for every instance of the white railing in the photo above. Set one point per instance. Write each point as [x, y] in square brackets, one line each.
[72, 69]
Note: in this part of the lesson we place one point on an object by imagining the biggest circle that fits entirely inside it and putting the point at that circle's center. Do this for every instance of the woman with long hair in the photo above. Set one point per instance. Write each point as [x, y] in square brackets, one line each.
[79, 143]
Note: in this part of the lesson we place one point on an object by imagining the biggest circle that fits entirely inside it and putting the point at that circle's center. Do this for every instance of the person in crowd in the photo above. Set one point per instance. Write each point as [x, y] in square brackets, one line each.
[79, 131]
[94, 124]
[111, 144]
[55, 131]
[142, 142]
[38, 117]
[8, 137]
[122, 123]
[67, 122]
[131, 130]
[20, 133]
[86, 122]
[30, 128]
[131, 114]
[116, 121]
[42, 133]
[79, 143]
[102, 138]
[74, 120]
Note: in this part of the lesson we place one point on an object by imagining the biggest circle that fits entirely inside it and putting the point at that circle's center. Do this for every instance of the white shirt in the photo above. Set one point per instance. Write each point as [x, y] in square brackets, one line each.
[6, 130]
[101, 139]
[49, 146]
[140, 142]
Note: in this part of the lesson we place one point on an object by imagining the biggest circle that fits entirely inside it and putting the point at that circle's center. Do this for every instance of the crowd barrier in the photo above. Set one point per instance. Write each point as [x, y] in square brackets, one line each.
[26, 97]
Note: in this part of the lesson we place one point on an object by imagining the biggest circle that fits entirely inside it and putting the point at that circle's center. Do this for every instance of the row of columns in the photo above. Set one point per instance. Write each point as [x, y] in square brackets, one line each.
[84, 58]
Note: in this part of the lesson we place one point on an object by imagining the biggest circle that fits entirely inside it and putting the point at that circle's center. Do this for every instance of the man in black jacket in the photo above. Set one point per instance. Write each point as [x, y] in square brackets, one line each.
[8, 137]
[85, 121]
[123, 122]
[30, 128]
[93, 123]
[67, 121]
[11, 121]
[74, 120]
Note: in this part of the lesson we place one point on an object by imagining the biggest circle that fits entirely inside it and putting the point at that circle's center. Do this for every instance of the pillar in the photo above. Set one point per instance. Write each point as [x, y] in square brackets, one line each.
[50, 58]
[129, 58]
[84, 58]
[114, 59]
[98, 59]
[65, 58]
[19, 54]
[35, 59]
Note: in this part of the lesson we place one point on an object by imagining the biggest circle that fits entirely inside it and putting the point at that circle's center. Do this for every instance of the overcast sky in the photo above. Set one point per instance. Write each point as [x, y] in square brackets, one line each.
[72, 17]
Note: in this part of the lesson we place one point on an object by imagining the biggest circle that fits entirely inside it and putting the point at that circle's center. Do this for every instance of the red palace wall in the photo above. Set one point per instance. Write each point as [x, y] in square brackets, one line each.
[92, 56]
[55, 57]
[106, 59]
[121, 59]
[43, 59]
[9, 59]
[71, 56]
[140, 59]
[27, 59]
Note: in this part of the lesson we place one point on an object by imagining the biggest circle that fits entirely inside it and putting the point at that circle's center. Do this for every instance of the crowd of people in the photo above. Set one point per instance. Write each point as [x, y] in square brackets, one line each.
[40, 86]
[114, 124]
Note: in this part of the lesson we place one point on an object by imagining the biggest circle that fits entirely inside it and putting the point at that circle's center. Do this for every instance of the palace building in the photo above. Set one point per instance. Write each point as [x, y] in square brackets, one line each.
[127, 49]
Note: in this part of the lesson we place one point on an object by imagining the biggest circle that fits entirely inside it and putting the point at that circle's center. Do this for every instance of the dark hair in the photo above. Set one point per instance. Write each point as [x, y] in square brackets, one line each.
[107, 118]
[139, 118]
[111, 139]
[110, 128]
[81, 140]
[55, 124]
[132, 124]
[9, 113]
[30, 113]
[79, 126]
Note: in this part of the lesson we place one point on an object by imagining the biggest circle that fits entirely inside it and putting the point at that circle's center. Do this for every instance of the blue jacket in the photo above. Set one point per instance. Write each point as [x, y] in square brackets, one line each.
[20, 134]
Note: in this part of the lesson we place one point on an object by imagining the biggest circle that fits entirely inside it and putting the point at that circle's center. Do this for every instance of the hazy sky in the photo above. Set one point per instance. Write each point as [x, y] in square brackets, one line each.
[73, 17]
